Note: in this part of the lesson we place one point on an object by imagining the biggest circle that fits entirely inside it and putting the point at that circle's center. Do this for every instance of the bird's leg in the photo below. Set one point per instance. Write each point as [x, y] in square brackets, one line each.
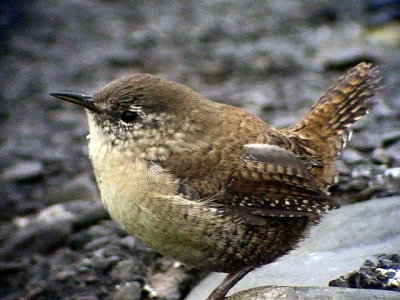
[230, 280]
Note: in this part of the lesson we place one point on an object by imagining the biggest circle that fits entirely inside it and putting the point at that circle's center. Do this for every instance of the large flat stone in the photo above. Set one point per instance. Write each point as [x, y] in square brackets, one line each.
[340, 244]
[312, 293]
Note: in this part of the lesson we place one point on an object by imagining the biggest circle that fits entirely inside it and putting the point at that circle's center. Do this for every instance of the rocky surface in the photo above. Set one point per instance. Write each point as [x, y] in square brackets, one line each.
[312, 293]
[272, 59]
[382, 272]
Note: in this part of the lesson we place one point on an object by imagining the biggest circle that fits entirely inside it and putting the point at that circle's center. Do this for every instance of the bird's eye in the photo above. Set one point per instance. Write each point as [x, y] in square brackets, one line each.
[129, 116]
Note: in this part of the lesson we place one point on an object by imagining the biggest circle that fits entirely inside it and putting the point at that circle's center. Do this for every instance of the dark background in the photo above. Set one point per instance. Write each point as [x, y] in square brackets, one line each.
[273, 60]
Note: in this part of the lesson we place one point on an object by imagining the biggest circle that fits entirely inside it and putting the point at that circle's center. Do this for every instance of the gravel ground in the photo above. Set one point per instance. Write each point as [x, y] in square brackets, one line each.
[273, 60]
[381, 273]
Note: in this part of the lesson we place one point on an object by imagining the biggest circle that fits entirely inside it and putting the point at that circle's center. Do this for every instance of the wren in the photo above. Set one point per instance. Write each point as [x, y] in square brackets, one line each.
[210, 184]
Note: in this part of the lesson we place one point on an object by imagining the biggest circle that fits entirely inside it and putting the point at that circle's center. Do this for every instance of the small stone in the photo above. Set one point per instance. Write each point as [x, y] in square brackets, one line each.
[123, 271]
[381, 157]
[79, 188]
[24, 171]
[356, 185]
[393, 173]
[90, 216]
[352, 157]
[64, 275]
[166, 281]
[78, 240]
[100, 230]
[394, 257]
[390, 138]
[105, 264]
[91, 279]
[365, 143]
[129, 291]
[86, 298]
[9, 267]
[41, 238]
[380, 275]
[345, 57]
[54, 213]
[98, 243]
[128, 242]
[394, 151]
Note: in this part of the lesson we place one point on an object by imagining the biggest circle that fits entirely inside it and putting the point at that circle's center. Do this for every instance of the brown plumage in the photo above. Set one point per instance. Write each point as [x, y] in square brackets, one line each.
[326, 128]
[210, 184]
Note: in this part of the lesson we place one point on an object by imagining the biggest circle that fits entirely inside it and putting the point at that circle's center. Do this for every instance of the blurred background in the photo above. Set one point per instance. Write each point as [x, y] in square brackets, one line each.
[273, 59]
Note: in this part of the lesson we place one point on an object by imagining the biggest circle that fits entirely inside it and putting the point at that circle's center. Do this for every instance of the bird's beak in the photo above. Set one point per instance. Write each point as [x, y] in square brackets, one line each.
[86, 101]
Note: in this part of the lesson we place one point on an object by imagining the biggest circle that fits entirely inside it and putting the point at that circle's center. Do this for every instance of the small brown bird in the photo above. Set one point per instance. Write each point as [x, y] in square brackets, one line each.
[210, 184]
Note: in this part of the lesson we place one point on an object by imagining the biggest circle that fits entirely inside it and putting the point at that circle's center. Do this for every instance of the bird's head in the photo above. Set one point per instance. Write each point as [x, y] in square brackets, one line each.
[145, 111]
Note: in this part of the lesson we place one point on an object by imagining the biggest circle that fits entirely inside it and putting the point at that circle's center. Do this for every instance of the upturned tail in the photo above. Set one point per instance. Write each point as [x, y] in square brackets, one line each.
[326, 128]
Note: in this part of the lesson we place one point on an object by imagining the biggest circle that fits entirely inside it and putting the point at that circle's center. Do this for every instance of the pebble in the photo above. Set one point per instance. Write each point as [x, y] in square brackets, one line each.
[64, 275]
[352, 157]
[129, 242]
[166, 280]
[86, 298]
[81, 187]
[394, 151]
[393, 173]
[24, 171]
[123, 271]
[390, 138]
[379, 273]
[129, 291]
[345, 57]
[38, 238]
[98, 243]
[54, 213]
[78, 240]
[381, 157]
[90, 216]
[364, 143]
[104, 264]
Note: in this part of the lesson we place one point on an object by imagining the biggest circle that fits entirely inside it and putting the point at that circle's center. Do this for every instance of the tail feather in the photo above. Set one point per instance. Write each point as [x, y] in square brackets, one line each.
[326, 128]
[345, 102]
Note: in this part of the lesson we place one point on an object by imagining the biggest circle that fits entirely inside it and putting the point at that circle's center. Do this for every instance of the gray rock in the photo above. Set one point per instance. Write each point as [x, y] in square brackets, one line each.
[86, 298]
[312, 293]
[380, 273]
[103, 264]
[352, 157]
[65, 275]
[129, 291]
[340, 244]
[344, 58]
[129, 242]
[339, 51]
[123, 271]
[82, 187]
[90, 216]
[165, 281]
[98, 243]
[393, 173]
[365, 142]
[394, 152]
[390, 138]
[382, 157]
[23, 171]
[38, 238]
